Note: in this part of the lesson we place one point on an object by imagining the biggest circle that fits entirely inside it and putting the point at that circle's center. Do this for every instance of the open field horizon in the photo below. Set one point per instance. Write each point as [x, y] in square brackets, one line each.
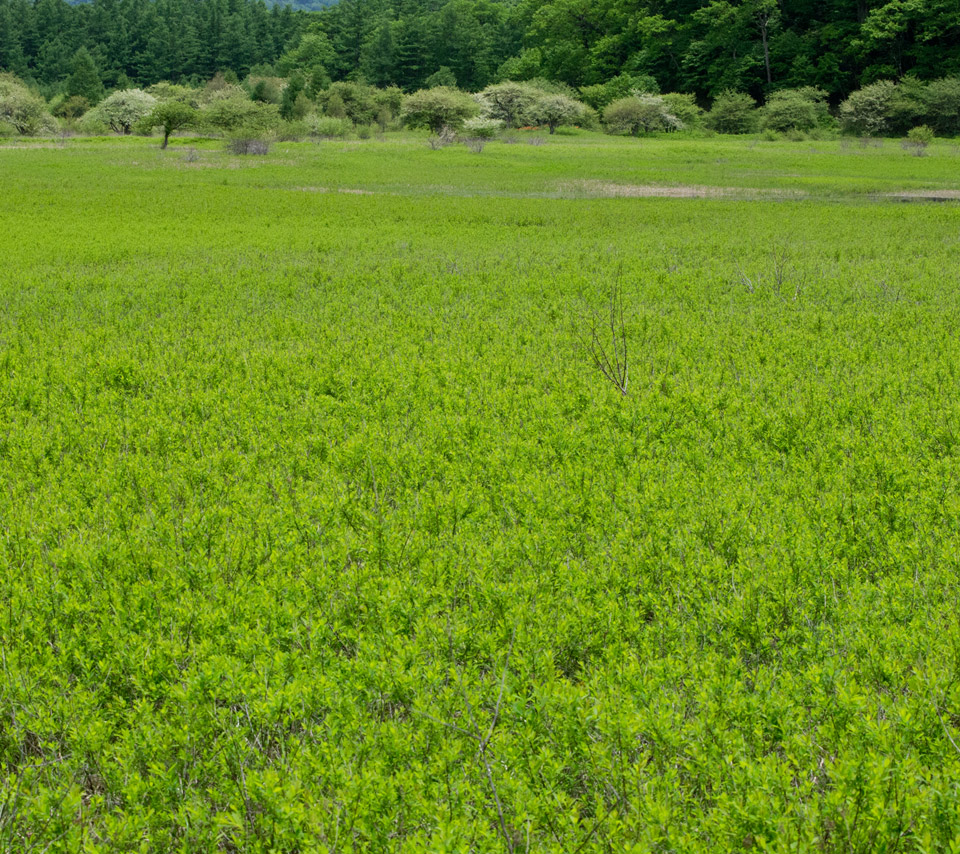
[571, 164]
[321, 531]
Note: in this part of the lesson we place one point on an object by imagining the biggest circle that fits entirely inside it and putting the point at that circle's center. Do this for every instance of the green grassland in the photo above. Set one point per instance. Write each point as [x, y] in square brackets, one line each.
[319, 531]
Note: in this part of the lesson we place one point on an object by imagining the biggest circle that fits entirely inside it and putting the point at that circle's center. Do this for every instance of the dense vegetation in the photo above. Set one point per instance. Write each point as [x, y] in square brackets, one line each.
[141, 41]
[319, 529]
[697, 46]
[304, 103]
[414, 488]
[702, 47]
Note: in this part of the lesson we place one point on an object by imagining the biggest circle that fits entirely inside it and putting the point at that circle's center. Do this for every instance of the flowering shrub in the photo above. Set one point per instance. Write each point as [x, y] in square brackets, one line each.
[482, 128]
[122, 110]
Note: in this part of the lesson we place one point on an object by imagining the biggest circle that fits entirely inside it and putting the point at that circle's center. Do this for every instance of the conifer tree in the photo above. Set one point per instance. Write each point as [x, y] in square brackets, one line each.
[84, 80]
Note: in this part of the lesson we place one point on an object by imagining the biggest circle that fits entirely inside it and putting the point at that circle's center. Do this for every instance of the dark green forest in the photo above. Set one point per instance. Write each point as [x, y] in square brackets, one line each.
[697, 46]
[142, 41]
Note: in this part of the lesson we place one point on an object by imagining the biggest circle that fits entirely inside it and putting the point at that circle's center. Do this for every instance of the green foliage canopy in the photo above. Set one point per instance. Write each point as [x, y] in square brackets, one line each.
[169, 117]
[22, 109]
[438, 108]
[733, 112]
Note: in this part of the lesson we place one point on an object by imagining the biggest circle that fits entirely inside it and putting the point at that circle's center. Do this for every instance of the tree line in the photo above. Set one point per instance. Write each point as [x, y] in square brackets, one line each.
[699, 46]
[139, 42]
[702, 47]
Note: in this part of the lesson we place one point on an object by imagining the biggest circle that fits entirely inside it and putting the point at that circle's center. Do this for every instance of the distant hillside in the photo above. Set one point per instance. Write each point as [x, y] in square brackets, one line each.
[305, 5]
[119, 44]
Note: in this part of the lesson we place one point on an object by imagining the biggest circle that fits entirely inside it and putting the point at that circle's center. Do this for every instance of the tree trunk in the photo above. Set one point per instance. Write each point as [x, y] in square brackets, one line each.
[166, 138]
[764, 34]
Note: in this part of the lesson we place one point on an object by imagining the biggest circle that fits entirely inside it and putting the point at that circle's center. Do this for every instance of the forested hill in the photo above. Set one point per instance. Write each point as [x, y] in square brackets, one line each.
[143, 41]
[306, 5]
[697, 46]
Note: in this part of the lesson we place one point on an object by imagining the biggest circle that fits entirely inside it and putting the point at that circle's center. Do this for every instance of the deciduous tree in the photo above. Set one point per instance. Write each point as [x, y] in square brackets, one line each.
[170, 117]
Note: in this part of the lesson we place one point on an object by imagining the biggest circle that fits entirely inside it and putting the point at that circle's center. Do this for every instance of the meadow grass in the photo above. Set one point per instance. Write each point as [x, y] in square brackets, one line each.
[320, 531]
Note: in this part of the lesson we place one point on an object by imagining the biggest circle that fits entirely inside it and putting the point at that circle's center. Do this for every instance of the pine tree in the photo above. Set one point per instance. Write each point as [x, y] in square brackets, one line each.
[54, 62]
[410, 56]
[288, 104]
[11, 52]
[236, 48]
[24, 20]
[84, 80]
[378, 56]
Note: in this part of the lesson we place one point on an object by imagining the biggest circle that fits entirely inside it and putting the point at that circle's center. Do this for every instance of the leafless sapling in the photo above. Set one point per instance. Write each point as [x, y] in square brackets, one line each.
[607, 340]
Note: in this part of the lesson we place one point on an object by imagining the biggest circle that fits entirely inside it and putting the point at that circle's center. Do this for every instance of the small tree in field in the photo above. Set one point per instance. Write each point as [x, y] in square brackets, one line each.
[684, 107]
[170, 117]
[942, 100]
[919, 139]
[638, 114]
[266, 91]
[351, 100]
[867, 111]
[733, 112]
[231, 115]
[794, 109]
[122, 110]
[22, 109]
[509, 102]
[294, 105]
[389, 102]
[555, 111]
[601, 95]
[438, 108]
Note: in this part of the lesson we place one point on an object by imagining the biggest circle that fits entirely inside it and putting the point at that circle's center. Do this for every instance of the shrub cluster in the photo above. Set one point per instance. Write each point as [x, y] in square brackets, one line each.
[885, 108]
[247, 145]
[796, 110]
[267, 106]
[23, 110]
[734, 113]
[640, 113]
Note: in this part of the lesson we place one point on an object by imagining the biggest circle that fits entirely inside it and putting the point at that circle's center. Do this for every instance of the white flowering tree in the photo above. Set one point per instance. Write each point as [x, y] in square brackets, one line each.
[640, 113]
[122, 110]
[438, 108]
[508, 101]
[555, 110]
[21, 108]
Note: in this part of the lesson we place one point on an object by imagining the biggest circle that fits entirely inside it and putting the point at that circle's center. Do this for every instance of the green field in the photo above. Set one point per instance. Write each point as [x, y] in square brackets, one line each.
[320, 531]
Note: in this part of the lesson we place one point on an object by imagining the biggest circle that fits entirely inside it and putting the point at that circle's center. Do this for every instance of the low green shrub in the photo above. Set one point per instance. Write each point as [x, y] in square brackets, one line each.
[327, 127]
[733, 113]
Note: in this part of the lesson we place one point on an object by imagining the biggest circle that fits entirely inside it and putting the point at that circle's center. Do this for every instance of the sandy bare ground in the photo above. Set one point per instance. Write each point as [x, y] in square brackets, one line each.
[350, 191]
[609, 190]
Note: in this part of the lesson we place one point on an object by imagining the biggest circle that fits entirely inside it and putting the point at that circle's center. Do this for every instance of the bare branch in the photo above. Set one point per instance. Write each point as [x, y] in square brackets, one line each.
[613, 362]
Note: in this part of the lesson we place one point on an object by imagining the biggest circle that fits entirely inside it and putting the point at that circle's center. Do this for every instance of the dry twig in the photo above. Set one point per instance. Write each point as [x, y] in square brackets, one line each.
[612, 358]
